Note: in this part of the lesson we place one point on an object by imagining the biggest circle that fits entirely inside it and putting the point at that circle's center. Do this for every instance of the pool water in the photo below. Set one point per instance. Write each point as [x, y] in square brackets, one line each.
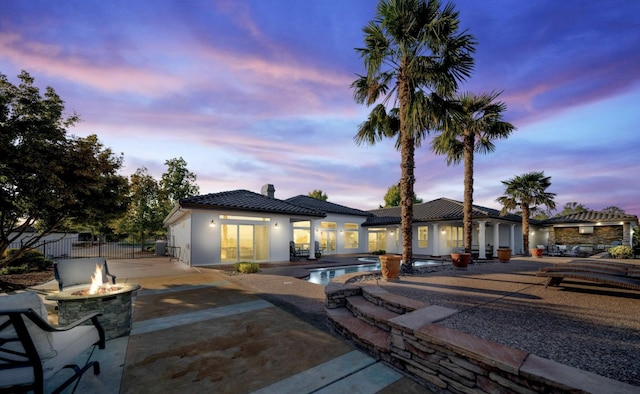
[322, 276]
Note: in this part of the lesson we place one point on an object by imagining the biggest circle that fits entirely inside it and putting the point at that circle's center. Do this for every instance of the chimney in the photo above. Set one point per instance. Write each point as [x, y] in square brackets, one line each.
[268, 190]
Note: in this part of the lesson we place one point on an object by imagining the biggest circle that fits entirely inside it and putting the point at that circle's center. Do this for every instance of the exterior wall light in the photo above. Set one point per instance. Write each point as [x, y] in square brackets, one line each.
[212, 224]
[276, 225]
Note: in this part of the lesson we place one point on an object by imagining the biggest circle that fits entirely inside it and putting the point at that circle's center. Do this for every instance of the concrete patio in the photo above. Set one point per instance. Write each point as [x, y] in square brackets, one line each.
[201, 330]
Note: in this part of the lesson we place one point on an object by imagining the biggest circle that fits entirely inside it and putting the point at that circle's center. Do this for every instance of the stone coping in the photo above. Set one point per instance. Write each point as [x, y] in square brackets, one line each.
[67, 295]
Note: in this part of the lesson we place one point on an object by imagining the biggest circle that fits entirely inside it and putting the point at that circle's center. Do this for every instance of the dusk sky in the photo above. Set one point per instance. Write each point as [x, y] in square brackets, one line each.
[256, 92]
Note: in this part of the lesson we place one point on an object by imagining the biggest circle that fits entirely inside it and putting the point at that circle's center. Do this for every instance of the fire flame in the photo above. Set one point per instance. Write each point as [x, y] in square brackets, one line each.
[96, 282]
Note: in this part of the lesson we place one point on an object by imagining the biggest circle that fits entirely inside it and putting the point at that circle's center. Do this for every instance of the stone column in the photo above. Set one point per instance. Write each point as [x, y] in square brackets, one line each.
[496, 238]
[482, 252]
[627, 232]
[312, 240]
[436, 240]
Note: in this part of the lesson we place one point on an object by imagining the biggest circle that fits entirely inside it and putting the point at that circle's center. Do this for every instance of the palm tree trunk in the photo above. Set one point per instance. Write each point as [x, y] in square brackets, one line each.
[467, 208]
[407, 177]
[525, 228]
[406, 198]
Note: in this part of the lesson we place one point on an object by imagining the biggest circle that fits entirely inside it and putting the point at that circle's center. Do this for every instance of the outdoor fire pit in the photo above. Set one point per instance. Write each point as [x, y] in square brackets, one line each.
[113, 301]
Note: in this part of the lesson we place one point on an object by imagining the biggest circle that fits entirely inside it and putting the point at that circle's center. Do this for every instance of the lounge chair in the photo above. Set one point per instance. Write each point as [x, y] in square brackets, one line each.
[31, 350]
[562, 249]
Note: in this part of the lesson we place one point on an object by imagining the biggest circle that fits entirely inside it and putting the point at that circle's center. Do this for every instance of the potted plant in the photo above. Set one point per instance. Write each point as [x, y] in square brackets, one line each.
[536, 252]
[390, 266]
[460, 259]
[504, 254]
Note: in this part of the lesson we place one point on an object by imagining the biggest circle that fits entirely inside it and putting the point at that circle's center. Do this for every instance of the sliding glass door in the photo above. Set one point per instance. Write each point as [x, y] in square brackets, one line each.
[244, 242]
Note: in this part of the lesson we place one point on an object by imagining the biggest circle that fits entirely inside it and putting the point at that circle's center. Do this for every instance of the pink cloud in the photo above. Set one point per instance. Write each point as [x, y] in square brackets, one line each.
[47, 58]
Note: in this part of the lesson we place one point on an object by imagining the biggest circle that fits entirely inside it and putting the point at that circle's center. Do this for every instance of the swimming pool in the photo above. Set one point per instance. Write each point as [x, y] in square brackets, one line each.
[322, 276]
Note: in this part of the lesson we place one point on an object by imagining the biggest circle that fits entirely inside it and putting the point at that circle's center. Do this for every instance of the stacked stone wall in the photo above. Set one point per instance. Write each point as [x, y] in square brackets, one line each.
[457, 362]
[602, 235]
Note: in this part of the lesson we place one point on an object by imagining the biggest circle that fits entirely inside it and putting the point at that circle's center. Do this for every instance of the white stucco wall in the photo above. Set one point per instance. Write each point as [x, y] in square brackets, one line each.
[340, 221]
[179, 234]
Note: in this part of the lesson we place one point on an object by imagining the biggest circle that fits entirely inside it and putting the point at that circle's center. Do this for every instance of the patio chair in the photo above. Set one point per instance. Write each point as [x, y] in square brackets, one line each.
[32, 351]
[71, 272]
[562, 249]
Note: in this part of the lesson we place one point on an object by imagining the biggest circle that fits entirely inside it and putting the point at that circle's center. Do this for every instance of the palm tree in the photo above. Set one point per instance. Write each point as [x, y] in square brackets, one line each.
[413, 56]
[614, 210]
[475, 122]
[527, 191]
[572, 207]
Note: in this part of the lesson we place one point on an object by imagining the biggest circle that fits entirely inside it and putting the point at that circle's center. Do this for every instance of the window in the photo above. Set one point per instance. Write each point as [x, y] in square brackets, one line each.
[250, 218]
[244, 242]
[455, 238]
[330, 225]
[377, 239]
[351, 235]
[302, 234]
[423, 236]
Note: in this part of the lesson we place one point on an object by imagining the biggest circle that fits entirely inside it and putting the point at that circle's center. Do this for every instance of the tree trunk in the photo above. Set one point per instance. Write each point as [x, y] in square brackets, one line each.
[525, 228]
[467, 208]
[407, 178]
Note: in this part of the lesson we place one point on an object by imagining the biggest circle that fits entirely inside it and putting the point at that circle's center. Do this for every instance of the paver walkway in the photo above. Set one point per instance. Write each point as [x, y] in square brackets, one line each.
[201, 331]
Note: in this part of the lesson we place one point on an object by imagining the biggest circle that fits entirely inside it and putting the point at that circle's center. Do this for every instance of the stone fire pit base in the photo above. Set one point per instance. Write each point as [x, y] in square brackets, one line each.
[116, 309]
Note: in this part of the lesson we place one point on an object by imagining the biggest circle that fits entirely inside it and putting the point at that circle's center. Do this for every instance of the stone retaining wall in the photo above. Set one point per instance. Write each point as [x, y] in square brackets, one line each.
[461, 363]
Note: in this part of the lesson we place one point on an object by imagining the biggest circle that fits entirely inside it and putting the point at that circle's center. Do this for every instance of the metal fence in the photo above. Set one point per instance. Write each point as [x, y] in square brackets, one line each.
[72, 248]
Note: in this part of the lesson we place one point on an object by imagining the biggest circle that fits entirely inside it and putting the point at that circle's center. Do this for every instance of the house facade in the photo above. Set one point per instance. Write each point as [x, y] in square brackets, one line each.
[240, 225]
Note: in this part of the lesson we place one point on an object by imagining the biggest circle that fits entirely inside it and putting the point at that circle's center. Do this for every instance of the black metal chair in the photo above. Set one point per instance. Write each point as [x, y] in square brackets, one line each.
[32, 350]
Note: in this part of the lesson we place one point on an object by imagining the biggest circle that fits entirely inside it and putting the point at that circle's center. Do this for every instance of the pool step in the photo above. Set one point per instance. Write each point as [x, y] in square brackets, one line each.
[365, 315]
[371, 313]
[366, 336]
[393, 302]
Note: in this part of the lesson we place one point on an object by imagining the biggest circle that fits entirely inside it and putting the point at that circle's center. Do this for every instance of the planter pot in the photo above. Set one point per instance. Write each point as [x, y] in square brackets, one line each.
[318, 255]
[504, 255]
[390, 267]
[535, 252]
[461, 260]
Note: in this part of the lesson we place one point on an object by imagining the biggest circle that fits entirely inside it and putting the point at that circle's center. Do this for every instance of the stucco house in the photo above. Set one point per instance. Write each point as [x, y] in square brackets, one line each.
[241, 225]
[438, 229]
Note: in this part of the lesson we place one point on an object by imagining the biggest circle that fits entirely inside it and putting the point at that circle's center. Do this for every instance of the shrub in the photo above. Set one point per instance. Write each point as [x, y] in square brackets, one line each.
[31, 259]
[621, 252]
[247, 268]
[14, 270]
[379, 252]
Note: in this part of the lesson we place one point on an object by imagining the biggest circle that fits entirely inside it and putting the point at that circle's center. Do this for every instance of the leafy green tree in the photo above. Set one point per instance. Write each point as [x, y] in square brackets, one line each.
[48, 178]
[475, 122]
[413, 55]
[318, 195]
[177, 183]
[527, 191]
[392, 198]
[571, 208]
[145, 213]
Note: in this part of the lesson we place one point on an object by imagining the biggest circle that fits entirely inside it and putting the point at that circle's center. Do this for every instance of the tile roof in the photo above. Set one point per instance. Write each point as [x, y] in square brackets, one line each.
[245, 200]
[439, 209]
[591, 217]
[325, 206]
